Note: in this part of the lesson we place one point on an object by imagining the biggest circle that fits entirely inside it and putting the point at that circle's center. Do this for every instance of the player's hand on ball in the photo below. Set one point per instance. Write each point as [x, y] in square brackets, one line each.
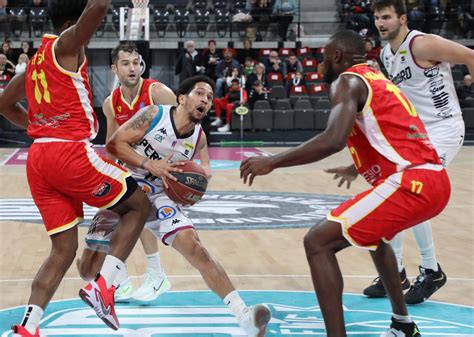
[163, 168]
[347, 174]
[255, 166]
[208, 171]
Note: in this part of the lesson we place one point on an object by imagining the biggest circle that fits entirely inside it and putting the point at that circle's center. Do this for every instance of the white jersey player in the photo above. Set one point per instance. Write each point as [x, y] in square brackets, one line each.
[419, 64]
[154, 136]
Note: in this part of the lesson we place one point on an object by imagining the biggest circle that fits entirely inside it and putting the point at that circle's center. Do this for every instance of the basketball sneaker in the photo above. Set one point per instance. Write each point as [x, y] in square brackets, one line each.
[255, 320]
[425, 285]
[20, 331]
[124, 291]
[398, 329]
[377, 290]
[153, 286]
[101, 299]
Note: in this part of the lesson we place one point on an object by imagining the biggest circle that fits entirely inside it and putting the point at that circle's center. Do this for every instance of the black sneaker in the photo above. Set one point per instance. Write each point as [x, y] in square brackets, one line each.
[398, 329]
[377, 290]
[425, 285]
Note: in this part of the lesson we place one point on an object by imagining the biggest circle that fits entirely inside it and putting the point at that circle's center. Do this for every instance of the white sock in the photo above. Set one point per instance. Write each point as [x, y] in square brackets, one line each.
[424, 240]
[121, 277]
[154, 263]
[235, 303]
[397, 245]
[32, 317]
[402, 319]
[111, 268]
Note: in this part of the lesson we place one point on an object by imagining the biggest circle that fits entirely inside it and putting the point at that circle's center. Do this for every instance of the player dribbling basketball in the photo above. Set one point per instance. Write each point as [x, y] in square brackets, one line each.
[163, 132]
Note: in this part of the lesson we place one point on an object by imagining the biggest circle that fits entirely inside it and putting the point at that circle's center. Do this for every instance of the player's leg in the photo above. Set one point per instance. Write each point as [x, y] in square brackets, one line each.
[253, 320]
[321, 243]
[376, 289]
[155, 280]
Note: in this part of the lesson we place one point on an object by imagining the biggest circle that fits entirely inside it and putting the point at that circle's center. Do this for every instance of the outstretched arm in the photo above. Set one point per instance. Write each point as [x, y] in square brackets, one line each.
[10, 107]
[69, 49]
[434, 48]
[347, 94]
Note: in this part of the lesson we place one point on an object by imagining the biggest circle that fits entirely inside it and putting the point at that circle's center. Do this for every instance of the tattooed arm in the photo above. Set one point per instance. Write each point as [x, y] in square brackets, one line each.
[132, 132]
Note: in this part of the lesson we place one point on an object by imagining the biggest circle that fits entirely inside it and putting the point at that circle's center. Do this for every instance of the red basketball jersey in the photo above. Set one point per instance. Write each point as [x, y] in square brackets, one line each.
[122, 110]
[388, 135]
[59, 101]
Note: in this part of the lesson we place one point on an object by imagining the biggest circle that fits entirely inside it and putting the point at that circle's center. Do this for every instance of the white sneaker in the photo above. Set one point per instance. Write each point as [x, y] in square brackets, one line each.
[153, 286]
[124, 292]
[255, 320]
[217, 122]
[224, 128]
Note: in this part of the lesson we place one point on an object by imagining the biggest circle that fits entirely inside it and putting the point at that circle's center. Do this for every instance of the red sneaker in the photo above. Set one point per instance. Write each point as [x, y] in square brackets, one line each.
[20, 331]
[101, 299]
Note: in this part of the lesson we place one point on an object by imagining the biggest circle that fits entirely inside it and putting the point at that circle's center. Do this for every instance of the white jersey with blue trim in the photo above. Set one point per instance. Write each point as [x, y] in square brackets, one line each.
[431, 90]
[160, 140]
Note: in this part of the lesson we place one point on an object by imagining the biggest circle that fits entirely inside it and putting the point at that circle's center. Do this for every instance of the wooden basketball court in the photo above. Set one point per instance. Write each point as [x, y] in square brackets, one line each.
[257, 259]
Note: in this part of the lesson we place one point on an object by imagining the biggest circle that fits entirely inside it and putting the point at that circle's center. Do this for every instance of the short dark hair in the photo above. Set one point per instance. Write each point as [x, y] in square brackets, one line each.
[60, 11]
[350, 41]
[127, 47]
[398, 5]
[188, 84]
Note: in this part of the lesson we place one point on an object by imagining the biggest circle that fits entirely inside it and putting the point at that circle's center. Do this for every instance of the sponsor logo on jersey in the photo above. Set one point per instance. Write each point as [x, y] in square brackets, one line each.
[431, 72]
[403, 75]
[193, 313]
[165, 212]
[101, 190]
[403, 52]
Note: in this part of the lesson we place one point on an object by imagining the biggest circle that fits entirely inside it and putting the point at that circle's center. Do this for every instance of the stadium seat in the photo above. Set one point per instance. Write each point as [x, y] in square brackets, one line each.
[17, 18]
[298, 92]
[262, 115]
[263, 54]
[277, 92]
[161, 19]
[468, 116]
[200, 4]
[309, 65]
[283, 115]
[303, 52]
[321, 119]
[283, 53]
[235, 123]
[222, 21]
[181, 20]
[219, 5]
[304, 115]
[467, 103]
[313, 77]
[38, 19]
[275, 79]
[201, 17]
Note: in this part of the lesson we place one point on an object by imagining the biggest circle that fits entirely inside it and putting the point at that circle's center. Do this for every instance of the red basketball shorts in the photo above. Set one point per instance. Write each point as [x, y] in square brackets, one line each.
[394, 204]
[63, 175]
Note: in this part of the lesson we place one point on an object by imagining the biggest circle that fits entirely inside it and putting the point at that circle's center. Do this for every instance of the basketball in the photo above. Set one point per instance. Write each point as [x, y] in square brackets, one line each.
[191, 184]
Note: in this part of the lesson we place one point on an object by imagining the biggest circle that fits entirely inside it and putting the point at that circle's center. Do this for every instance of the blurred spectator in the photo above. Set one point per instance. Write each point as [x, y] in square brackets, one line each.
[467, 89]
[3, 18]
[223, 68]
[415, 14]
[291, 65]
[7, 71]
[273, 64]
[258, 75]
[248, 67]
[25, 48]
[356, 14]
[235, 96]
[374, 64]
[22, 63]
[7, 51]
[296, 81]
[370, 52]
[260, 11]
[38, 3]
[283, 12]
[210, 59]
[189, 63]
[234, 74]
[246, 51]
[257, 93]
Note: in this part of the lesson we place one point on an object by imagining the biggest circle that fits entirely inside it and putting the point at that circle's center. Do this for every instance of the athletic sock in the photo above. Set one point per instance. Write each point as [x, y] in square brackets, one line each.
[32, 317]
[401, 318]
[424, 240]
[235, 303]
[154, 263]
[121, 277]
[110, 269]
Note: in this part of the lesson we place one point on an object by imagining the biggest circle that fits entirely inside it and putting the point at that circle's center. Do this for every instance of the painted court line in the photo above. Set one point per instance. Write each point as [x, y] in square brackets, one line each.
[459, 279]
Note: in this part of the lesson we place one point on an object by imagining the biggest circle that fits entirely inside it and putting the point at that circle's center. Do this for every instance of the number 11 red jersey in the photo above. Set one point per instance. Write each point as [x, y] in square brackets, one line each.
[59, 101]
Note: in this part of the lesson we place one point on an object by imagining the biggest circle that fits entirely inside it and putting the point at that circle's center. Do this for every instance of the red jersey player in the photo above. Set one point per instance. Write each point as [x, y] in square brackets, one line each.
[391, 150]
[63, 170]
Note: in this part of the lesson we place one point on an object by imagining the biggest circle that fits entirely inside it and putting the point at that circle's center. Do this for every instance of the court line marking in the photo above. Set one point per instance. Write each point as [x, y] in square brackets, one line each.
[459, 279]
[10, 156]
